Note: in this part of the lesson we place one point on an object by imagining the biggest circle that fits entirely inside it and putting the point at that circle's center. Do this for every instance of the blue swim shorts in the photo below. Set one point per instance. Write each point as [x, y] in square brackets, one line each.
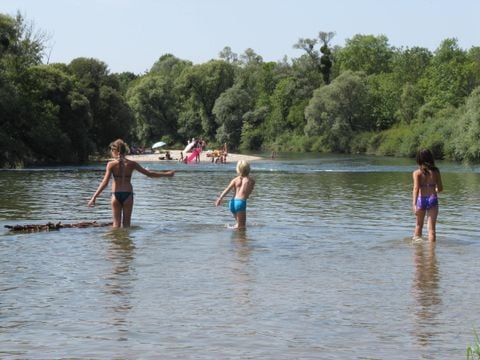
[237, 205]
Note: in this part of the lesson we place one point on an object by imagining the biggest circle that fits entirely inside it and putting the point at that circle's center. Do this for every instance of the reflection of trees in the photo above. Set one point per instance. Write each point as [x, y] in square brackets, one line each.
[119, 282]
[18, 201]
[426, 292]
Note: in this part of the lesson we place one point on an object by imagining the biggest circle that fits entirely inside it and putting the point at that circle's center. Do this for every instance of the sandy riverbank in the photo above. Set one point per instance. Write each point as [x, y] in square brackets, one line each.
[175, 154]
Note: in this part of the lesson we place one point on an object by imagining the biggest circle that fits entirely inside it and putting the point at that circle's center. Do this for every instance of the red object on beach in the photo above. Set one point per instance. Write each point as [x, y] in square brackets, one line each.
[194, 154]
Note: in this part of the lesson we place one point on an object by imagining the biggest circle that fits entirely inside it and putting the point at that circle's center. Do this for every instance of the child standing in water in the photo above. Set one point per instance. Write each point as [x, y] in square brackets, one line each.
[122, 190]
[242, 185]
[427, 183]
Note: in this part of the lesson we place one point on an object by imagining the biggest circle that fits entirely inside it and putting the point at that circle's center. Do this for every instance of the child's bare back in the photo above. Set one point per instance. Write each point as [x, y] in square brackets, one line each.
[243, 186]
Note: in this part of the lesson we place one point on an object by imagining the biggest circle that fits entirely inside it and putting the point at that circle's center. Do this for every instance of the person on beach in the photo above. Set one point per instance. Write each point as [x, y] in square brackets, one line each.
[427, 183]
[122, 191]
[243, 186]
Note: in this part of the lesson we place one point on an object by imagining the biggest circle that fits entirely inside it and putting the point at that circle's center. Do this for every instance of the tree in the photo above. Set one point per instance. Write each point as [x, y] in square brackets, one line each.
[199, 87]
[367, 53]
[53, 127]
[446, 80]
[326, 60]
[154, 105]
[465, 145]
[308, 45]
[385, 95]
[169, 66]
[108, 108]
[21, 46]
[338, 110]
[410, 103]
[409, 65]
[252, 129]
[249, 57]
[229, 110]
[228, 55]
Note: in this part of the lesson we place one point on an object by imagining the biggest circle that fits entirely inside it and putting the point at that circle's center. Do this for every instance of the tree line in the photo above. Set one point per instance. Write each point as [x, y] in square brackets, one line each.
[364, 97]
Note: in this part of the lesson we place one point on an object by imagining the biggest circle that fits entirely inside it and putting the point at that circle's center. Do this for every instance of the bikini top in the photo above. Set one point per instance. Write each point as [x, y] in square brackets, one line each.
[121, 176]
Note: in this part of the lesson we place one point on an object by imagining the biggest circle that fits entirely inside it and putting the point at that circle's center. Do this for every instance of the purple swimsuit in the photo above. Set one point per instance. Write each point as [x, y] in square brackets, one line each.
[427, 202]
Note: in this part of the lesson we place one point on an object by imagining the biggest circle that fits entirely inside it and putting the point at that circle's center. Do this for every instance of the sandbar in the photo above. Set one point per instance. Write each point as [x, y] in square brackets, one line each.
[175, 154]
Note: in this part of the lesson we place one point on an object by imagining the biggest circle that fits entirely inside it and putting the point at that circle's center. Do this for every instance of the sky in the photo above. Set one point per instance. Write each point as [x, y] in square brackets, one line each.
[131, 35]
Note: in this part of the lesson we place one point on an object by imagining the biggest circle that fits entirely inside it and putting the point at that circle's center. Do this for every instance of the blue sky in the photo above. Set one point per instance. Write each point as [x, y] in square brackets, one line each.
[130, 35]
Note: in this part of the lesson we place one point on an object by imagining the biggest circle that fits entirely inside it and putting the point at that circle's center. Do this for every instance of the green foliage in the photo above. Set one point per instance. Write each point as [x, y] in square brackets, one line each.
[410, 64]
[229, 110]
[199, 87]
[410, 103]
[385, 96]
[110, 116]
[464, 144]
[339, 110]
[367, 53]
[473, 351]
[252, 132]
[154, 105]
[447, 80]
[399, 141]
[363, 97]
[169, 66]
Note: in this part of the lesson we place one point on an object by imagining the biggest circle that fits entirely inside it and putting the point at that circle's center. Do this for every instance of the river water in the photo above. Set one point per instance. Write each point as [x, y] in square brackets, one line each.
[325, 270]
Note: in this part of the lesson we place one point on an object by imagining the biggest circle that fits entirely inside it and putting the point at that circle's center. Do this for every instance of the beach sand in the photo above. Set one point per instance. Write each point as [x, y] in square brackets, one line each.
[175, 154]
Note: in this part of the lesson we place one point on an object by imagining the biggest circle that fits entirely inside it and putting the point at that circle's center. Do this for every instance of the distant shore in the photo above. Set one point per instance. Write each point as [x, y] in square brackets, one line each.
[175, 154]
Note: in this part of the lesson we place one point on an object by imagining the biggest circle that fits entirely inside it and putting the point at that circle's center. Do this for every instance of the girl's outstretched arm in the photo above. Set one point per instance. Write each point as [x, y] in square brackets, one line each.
[150, 173]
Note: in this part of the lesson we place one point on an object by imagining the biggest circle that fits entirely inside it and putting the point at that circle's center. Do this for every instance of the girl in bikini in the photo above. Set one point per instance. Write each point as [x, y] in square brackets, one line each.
[122, 191]
[427, 183]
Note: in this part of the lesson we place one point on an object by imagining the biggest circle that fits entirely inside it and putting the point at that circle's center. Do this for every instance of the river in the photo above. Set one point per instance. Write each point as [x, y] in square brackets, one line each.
[325, 270]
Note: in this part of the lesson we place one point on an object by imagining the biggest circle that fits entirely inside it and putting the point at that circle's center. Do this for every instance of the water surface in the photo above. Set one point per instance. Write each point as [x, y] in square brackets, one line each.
[325, 270]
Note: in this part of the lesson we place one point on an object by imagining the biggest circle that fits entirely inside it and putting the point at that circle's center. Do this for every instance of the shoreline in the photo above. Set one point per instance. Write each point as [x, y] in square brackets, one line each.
[175, 154]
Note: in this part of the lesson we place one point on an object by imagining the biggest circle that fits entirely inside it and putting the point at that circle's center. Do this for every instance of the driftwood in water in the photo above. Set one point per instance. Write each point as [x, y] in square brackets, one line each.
[51, 226]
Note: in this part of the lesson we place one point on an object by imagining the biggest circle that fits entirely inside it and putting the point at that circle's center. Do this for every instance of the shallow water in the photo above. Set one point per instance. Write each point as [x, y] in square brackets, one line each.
[325, 270]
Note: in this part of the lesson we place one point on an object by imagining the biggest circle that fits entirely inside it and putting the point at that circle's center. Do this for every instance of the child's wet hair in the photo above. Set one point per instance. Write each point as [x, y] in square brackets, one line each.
[243, 168]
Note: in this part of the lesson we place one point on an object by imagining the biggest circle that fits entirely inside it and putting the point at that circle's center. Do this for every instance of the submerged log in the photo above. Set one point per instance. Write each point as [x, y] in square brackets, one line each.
[51, 226]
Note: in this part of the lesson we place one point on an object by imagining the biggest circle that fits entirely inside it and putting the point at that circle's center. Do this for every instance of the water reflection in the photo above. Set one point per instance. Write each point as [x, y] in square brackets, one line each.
[120, 278]
[426, 292]
[241, 266]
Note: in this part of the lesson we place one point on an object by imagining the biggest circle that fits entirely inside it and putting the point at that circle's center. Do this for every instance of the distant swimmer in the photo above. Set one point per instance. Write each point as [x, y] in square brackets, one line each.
[427, 183]
[121, 170]
[243, 186]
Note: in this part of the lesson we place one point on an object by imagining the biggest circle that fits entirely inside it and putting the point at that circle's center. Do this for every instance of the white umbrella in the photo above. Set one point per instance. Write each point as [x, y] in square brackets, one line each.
[158, 144]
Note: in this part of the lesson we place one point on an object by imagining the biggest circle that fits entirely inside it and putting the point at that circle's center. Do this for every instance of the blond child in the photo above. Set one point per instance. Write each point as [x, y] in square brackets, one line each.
[243, 186]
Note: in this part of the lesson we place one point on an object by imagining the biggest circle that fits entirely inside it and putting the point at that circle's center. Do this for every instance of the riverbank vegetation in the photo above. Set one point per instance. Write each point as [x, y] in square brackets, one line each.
[363, 97]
